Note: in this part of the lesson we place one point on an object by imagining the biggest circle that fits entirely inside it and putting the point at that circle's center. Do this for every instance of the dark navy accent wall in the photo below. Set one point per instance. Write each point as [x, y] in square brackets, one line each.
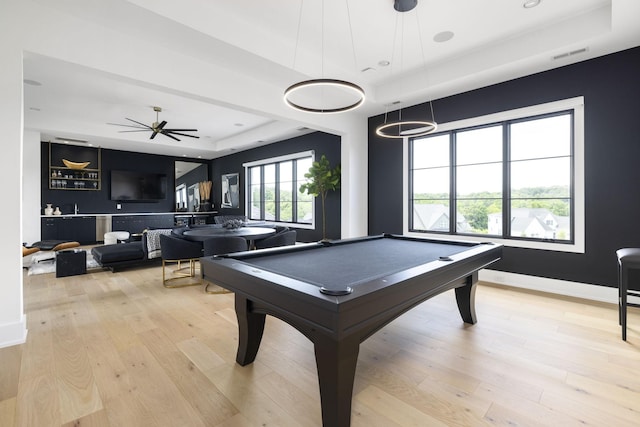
[98, 201]
[610, 86]
[322, 143]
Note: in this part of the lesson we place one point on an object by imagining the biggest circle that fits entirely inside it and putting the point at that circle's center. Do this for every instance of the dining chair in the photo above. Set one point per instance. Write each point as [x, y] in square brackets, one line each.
[176, 250]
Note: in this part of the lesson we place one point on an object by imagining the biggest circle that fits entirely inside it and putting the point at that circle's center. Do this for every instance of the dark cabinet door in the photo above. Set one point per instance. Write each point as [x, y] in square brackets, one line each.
[78, 229]
[49, 228]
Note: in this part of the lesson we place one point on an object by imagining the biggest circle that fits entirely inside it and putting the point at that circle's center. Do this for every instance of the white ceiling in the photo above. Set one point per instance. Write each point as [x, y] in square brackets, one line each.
[279, 42]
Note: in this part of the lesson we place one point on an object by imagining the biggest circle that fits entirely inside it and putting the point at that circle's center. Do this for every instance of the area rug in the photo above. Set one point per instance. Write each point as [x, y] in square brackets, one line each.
[45, 262]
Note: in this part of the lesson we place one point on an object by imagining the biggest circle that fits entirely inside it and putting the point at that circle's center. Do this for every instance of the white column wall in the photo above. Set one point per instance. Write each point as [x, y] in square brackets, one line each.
[12, 319]
[354, 183]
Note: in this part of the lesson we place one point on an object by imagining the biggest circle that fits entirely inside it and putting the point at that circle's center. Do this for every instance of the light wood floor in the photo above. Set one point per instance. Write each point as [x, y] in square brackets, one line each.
[108, 349]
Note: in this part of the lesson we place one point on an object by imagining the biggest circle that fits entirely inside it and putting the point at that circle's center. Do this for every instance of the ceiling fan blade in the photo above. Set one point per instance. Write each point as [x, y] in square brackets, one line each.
[129, 126]
[161, 125]
[141, 124]
[166, 131]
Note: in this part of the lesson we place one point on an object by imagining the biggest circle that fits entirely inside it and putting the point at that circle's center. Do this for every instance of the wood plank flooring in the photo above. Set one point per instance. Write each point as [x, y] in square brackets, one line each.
[107, 349]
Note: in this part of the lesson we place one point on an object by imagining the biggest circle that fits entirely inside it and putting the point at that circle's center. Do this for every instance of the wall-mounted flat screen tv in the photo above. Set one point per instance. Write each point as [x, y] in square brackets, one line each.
[137, 186]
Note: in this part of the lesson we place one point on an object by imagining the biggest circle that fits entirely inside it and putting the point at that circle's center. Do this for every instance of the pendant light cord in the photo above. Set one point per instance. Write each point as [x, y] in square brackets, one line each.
[424, 65]
[295, 50]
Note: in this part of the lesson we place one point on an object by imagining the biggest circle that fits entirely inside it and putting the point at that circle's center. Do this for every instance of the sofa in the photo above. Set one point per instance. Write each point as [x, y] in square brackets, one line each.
[133, 253]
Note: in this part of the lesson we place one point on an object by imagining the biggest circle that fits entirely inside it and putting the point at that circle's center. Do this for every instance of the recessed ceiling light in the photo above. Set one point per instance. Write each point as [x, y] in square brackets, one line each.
[238, 124]
[531, 3]
[34, 109]
[384, 63]
[32, 82]
[443, 36]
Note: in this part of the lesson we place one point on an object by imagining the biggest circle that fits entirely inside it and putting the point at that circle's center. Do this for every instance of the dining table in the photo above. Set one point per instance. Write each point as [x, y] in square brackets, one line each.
[251, 234]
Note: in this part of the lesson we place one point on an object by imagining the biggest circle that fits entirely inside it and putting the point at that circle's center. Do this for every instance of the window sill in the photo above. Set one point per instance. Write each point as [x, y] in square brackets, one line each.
[576, 247]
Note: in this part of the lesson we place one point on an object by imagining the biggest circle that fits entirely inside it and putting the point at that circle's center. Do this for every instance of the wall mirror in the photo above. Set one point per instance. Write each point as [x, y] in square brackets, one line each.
[188, 175]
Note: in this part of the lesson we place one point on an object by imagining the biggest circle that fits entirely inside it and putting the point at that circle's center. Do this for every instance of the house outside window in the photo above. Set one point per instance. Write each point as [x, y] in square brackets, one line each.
[515, 177]
[273, 190]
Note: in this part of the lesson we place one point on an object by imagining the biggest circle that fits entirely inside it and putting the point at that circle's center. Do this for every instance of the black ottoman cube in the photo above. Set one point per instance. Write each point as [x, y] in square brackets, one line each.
[71, 262]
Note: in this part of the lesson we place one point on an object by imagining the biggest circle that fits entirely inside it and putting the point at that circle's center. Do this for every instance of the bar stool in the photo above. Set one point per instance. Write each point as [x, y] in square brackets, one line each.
[628, 259]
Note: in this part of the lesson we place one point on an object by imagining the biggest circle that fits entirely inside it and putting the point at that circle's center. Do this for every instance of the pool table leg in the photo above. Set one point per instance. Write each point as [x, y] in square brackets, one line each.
[336, 364]
[466, 299]
[250, 329]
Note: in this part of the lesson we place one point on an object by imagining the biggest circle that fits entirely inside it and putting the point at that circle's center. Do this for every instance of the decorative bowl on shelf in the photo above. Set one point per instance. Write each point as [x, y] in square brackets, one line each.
[75, 165]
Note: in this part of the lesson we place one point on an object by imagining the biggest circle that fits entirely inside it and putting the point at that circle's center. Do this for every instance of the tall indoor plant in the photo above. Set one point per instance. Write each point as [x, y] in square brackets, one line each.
[320, 180]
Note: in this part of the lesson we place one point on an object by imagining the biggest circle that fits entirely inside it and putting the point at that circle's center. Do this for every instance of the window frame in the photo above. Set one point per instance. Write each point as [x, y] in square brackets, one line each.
[294, 157]
[578, 209]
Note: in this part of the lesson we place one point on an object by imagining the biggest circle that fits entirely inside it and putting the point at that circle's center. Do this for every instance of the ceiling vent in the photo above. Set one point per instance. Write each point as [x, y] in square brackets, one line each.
[571, 53]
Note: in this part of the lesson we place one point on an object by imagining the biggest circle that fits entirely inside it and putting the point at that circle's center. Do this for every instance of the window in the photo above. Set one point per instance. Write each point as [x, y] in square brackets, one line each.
[515, 176]
[274, 194]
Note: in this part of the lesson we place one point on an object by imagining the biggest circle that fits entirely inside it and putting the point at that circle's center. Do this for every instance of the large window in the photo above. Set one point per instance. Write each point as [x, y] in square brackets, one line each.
[513, 176]
[273, 189]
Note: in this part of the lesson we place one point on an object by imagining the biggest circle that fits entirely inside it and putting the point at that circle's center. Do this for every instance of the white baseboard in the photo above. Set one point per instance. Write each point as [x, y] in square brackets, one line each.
[561, 287]
[13, 333]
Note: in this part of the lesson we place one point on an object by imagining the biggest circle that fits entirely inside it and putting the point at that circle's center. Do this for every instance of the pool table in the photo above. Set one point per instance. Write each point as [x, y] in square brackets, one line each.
[341, 292]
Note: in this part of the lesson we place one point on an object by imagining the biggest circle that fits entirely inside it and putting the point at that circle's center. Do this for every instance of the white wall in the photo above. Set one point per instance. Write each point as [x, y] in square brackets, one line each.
[31, 206]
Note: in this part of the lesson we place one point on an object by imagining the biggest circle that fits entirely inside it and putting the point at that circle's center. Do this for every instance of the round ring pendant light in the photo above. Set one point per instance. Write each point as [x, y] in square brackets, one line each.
[406, 128]
[324, 95]
[322, 84]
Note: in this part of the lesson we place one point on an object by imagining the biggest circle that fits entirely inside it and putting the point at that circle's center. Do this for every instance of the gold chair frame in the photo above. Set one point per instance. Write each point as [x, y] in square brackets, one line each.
[179, 273]
[217, 291]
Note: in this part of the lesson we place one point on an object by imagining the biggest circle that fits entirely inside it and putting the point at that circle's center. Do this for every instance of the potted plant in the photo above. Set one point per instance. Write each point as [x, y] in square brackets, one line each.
[320, 180]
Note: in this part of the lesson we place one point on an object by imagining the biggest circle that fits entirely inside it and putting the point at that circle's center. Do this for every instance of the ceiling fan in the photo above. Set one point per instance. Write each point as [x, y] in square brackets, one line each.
[156, 127]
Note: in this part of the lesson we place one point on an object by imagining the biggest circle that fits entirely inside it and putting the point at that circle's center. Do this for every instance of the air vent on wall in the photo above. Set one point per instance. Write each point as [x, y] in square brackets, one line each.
[568, 54]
